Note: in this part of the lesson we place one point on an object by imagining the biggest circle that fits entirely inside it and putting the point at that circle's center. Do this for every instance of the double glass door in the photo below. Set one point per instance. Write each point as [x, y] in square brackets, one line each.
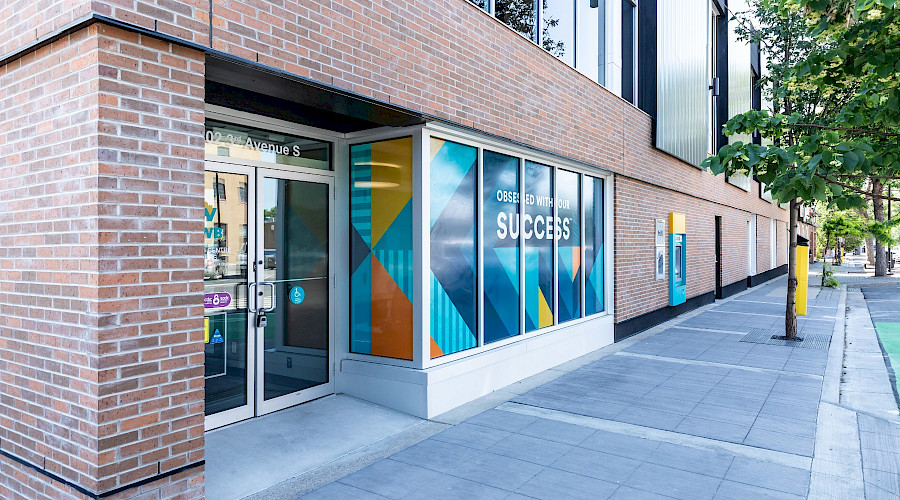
[267, 297]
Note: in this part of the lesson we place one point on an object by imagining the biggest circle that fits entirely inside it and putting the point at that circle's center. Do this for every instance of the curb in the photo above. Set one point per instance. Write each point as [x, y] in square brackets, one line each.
[831, 384]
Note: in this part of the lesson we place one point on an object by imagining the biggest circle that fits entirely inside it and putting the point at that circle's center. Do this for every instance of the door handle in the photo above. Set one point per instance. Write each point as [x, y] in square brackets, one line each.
[251, 303]
[272, 305]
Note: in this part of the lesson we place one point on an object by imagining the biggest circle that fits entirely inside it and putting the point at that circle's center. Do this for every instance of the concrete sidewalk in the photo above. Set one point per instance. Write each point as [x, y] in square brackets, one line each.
[690, 409]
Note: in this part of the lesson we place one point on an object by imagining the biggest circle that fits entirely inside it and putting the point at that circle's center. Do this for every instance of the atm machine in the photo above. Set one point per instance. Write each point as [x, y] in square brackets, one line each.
[677, 259]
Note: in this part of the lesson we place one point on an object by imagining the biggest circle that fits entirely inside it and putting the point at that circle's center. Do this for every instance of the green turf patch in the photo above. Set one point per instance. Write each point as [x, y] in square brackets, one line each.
[889, 334]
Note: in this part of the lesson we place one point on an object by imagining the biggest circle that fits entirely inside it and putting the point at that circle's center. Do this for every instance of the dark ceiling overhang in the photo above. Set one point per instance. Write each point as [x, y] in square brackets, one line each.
[247, 87]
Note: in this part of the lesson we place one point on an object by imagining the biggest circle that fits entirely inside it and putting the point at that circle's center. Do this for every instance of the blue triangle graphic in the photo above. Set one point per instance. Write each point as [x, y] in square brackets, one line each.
[509, 259]
[217, 338]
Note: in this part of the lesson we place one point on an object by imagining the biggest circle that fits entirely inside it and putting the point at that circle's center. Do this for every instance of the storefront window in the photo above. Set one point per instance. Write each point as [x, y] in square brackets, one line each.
[381, 248]
[568, 211]
[454, 266]
[501, 246]
[538, 231]
[238, 141]
[593, 245]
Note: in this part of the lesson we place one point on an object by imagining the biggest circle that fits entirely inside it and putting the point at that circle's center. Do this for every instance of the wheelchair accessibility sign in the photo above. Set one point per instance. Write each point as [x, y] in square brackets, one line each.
[296, 295]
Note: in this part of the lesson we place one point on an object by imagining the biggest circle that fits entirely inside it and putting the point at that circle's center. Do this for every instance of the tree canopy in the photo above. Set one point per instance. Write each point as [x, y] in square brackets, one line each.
[831, 133]
[836, 102]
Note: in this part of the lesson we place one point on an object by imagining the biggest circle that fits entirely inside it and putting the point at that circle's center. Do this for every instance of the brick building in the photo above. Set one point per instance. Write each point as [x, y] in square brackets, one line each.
[214, 210]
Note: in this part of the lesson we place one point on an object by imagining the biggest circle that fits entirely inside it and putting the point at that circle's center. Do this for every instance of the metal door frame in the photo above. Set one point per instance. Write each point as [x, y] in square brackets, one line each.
[718, 252]
[262, 406]
[247, 410]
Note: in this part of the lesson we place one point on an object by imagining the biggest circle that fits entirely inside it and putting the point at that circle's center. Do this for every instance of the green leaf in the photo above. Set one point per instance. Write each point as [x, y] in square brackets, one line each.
[820, 190]
[850, 160]
[815, 160]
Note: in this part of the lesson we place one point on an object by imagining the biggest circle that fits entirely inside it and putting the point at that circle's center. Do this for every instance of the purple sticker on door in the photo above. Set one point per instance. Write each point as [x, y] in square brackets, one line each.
[216, 299]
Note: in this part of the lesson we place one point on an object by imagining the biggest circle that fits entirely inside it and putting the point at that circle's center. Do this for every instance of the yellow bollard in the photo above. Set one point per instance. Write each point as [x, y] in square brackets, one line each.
[802, 278]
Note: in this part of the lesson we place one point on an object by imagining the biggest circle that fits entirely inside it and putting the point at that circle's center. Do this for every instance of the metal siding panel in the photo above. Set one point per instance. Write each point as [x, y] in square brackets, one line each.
[682, 83]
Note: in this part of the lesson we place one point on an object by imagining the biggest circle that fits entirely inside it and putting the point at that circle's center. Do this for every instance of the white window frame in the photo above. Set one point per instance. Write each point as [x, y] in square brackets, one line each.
[482, 142]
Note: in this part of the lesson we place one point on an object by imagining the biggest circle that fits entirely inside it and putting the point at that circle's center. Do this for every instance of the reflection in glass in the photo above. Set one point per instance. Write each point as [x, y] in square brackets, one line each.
[225, 297]
[295, 255]
[558, 36]
[628, 50]
[248, 143]
[568, 193]
[501, 228]
[520, 15]
[453, 262]
[381, 248]
[593, 245]
[538, 231]
[589, 39]
[483, 4]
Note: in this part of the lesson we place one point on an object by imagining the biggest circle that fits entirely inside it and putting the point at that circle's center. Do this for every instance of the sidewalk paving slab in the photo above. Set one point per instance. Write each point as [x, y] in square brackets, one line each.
[688, 412]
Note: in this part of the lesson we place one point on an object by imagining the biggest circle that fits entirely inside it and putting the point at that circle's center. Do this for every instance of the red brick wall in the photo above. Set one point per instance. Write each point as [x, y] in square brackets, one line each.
[150, 212]
[101, 358]
[637, 205]
[101, 254]
[414, 54]
[24, 21]
[48, 258]
[24, 483]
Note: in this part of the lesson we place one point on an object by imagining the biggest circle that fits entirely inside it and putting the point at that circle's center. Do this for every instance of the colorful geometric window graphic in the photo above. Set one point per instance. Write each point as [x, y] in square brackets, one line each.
[501, 246]
[381, 248]
[593, 245]
[453, 258]
[538, 231]
[568, 209]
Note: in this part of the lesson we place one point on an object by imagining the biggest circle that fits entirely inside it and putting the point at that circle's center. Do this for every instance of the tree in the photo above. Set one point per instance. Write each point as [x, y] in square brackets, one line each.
[841, 224]
[836, 107]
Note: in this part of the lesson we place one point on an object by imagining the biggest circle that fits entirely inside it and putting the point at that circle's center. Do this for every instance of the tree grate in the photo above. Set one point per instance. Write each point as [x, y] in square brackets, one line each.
[767, 336]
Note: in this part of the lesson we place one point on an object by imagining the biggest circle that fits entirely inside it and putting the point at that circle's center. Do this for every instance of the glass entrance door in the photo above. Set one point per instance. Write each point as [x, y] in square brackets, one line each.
[228, 333]
[294, 283]
[267, 276]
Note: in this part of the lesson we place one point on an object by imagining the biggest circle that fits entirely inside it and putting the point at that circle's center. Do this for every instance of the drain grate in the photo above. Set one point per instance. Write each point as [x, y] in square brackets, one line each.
[765, 336]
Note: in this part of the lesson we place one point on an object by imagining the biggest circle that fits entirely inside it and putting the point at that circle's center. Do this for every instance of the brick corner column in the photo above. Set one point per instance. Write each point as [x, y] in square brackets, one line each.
[150, 278]
[101, 269]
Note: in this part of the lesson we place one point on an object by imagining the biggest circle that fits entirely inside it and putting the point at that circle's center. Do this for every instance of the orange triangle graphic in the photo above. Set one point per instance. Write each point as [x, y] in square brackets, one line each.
[436, 351]
[391, 316]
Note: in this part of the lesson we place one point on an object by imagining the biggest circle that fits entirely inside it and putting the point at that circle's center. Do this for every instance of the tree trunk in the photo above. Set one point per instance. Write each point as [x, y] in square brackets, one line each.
[878, 212]
[790, 310]
[824, 252]
[870, 242]
[870, 251]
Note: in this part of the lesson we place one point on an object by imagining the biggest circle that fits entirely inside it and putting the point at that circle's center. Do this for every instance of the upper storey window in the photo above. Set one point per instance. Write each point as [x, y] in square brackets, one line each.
[520, 15]
[558, 32]
[572, 30]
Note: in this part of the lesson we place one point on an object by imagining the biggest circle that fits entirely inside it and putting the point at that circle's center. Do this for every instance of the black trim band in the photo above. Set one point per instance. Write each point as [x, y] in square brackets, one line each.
[736, 287]
[88, 493]
[767, 275]
[633, 326]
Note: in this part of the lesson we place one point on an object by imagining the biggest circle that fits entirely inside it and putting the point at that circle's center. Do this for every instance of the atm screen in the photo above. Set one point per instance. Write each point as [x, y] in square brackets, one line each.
[679, 268]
